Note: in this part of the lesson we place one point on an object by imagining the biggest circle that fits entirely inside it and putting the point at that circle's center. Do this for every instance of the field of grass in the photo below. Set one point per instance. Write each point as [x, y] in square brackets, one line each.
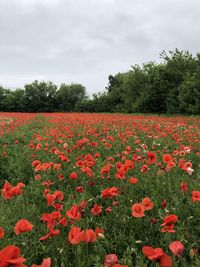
[99, 190]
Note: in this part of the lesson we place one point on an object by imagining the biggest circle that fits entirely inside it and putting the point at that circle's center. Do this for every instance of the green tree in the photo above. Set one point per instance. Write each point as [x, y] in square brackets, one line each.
[135, 85]
[14, 101]
[115, 91]
[101, 102]
[40, 96]
[189, 95]
[3, 95]
[178, 65]
[154, 89]
[71, 97]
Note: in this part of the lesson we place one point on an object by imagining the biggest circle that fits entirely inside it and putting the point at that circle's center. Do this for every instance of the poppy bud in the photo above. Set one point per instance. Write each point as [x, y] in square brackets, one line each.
[164, 203]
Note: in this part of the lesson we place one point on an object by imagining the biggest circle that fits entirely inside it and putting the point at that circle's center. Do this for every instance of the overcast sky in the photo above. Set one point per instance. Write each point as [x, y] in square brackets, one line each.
[86, 40]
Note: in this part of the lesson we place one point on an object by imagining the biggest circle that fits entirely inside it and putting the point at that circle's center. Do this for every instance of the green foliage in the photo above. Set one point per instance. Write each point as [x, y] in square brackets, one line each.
[189, 95]
[171, 86]
[14, 100]
[40, 96]
[70, 97]
[179, 66]
[3, 96]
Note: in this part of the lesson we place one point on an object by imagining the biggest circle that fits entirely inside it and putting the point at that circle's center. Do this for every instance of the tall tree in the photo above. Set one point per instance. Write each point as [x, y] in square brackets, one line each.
[189, 95]
[178, 64]
[14, 101]
[70, 97]
[3, 96]
[40, 96]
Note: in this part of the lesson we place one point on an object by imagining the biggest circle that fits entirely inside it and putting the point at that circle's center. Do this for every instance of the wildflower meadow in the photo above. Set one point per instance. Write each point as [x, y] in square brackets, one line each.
[99, 190]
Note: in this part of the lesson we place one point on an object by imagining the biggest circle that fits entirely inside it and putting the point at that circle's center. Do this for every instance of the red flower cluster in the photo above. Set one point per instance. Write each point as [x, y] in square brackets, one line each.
[138, 209]
[158, 255]
[83, 170]
[10, 256]
[169, 223]
[110, 192]
[76, 235]
[8, 191]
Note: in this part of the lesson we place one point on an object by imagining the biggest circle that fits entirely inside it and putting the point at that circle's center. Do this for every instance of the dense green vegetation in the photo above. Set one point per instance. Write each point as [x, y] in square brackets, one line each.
[171, 86]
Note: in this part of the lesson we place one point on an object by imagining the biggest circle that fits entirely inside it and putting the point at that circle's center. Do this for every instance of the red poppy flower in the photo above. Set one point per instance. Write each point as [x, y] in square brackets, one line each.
[23, 226]
[144, 168]
[59, 195]
[186, 165]
[74, 213]
[110, 260]
[133, 180]
[35, 163]
[138, 210]
[169, 223]
[52, 232]
[129, 164]
[10, 256]
[168, 228]
[164, 203]
[76, 235]
[96, 210]
[170, 219]
[184, 187]
[151, 157]
[195, 196]
[177, 248]
[165, 261]
[73, 176]
[147, 204]
[83, 204]
[63, 222]
[105, 170]
[50, 198]
[45, 263]
[37, 176]
[4, 154]
[96, 155]
[167, 158]
[2, 233]
[153, 254]
[120, 173]
[90, 236]
[99, 232]
[170, 165]
[9, 191]
[80, 189]
[115, 203]
[119, 165]
[38, 167]
[88, 171]
[181, 163]
[110, 192]
[51, 218]
[57, 166]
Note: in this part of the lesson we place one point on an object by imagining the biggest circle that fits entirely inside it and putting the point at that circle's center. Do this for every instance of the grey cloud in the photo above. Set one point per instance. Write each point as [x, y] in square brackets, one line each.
[86, 40]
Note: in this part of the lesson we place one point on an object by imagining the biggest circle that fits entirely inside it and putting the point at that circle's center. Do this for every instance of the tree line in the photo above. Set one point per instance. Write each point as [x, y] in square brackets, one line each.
[171, 86]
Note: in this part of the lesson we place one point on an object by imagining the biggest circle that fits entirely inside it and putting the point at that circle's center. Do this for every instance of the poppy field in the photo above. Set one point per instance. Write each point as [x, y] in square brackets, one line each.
[99, 190]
